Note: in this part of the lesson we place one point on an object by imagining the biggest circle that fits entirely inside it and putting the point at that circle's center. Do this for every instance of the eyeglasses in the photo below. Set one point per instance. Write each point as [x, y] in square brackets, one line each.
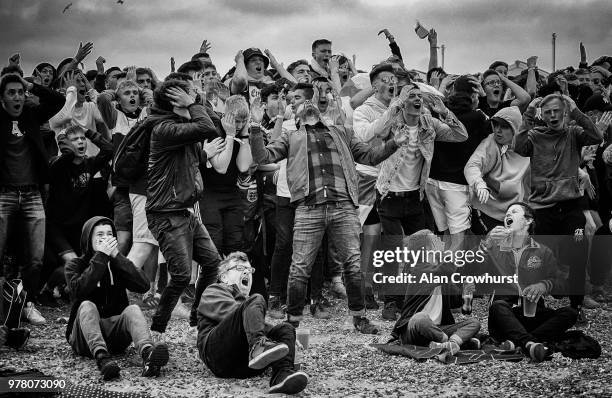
[494, 83]
[242, 267]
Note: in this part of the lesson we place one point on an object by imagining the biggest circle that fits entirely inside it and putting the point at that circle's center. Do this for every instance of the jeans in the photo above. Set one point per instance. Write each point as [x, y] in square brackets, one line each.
[400, 216]
[223, 216]
[26, 204]
[226, 352]
[114, 334]
[341, 222]
[507, 323]
[561, 228]
[281, 259]
[421, 330]
[182, 238]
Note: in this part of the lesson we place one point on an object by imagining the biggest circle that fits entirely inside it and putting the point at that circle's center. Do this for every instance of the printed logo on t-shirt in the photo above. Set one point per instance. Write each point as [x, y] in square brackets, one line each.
[534, 262]
[82, 181]
[16, 132]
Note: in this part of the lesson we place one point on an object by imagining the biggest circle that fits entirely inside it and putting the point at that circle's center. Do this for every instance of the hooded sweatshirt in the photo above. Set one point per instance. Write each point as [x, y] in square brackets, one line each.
[555, 158]
[101, 279]
[449, 158]
[499, 169]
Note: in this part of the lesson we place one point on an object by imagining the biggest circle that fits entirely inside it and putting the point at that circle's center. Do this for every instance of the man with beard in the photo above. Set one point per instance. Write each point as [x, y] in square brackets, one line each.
[23, 170]
[493, 84]
[325, 192]
[555, 151]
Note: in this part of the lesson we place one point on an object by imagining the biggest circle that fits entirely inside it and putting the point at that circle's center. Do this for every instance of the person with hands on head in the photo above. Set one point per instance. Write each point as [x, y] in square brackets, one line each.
[494, 84]
[250, 75]
[511, 250]
[101, 320]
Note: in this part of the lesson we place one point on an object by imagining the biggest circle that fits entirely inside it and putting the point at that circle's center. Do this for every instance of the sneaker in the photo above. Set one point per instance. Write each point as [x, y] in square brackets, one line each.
[150, 300]
[370, 302]
[289, 382]
[582, 319]
[471, 344]
[265, 351]
[390, 311]
[537, 351]
[450, 346]
[276, 310]
[47, 299]
[338, 290]
[108, 368]
[17, 338]
[158, 338]
[363, 325]
[589, 303]
[507, 345]
[318, 311]
[180, 311]
[153, 359]
[189, 294]
[32, 315]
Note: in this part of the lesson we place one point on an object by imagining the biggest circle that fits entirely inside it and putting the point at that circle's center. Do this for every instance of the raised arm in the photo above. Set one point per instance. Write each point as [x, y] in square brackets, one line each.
[522, 97]
[433, 49]
[240, 80]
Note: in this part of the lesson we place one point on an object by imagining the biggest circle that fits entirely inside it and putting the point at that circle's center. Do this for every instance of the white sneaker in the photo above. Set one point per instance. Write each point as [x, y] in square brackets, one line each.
[157, 337]
[180, 311]
[33, 315]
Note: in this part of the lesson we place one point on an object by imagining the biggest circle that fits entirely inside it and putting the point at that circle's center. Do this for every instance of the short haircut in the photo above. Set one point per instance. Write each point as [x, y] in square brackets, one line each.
[6, 79]
[190, 66]
[307, 88]
[162, 101]
[121, 75]
[582, 71]
[197, 56]
[321, 79]
[529, 214]
[498, 63]
[73, 130]
[320, 42]
[237, 105]
[488, 73]
[111, 69]
[208, 65]
[126, 83]
[295, 64]
[178, 76]
[552, 97]
[226, 263]
[552, 87]
[142, 71]
[378, 69]
[91, 74]
[436, 69]
[267, 91]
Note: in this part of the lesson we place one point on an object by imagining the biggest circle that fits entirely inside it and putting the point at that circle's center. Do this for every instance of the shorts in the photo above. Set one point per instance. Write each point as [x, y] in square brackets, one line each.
[451, 209]
[372, 218]
[122, 209]
[140, 225]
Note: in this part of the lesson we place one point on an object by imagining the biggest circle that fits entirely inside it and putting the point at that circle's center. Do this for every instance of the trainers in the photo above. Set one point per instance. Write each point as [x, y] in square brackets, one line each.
[189, 294]
[150, 300]
[276, 310]
[471, 344]
[507, 345]
[47, 299]
[153, 359]
[582, 319]
[390, 311]
[289, 382]
[318, 311]
[180, 311]
[450, 346]
[32, 315]
[363, 325]
[589, 303]
[108, 368]
[265, 351]
[157, 337]
[537, 351]
[338, 290]
[17, 338]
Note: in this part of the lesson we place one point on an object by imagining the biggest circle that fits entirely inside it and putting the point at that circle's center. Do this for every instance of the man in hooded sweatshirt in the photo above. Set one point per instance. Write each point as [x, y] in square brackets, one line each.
[101, 320]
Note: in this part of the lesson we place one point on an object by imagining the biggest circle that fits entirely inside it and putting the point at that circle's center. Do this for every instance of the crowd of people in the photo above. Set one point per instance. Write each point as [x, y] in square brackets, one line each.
[180, 189]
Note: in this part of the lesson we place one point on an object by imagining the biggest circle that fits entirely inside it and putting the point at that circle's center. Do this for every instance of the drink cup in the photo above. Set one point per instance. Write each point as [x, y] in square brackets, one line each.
[529, 307]
[303, 336]
[421, 31]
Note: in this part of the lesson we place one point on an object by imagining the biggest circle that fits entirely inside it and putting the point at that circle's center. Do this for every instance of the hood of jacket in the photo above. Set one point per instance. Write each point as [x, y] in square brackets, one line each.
[87, 231]
[512, 116]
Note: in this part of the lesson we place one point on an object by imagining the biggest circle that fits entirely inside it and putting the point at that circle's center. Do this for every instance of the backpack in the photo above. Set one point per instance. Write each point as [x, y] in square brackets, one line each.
[131, 160]
[576, 345]
[12, 302]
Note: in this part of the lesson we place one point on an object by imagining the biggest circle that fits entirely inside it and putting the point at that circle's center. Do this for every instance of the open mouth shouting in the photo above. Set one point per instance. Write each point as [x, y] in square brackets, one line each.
[132, 101]
[508, 221]
[497, 92]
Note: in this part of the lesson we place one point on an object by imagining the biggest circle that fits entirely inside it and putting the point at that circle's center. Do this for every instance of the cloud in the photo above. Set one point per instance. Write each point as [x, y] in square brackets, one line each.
[475, 32]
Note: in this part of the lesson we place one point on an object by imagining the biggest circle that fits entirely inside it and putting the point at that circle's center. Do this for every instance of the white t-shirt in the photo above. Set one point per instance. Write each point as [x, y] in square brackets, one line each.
[408, 176]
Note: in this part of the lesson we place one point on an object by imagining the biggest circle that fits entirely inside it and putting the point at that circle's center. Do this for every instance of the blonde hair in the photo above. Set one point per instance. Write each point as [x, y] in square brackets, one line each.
[237, 105]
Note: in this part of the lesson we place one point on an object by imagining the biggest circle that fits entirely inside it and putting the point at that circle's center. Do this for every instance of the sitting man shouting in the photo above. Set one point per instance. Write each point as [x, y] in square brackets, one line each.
[233, 339]
[101, 321]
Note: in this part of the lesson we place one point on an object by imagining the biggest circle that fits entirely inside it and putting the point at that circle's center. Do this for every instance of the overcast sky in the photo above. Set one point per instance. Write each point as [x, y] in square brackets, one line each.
[149, 32]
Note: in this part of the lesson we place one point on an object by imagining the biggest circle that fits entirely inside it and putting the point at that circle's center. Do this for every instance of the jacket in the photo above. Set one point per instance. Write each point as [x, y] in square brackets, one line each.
[294, 147]
[555, 158]
[218, 301]
[430, 129]
[31, 119]
[101, 279]
[174, 181]
[370, 120]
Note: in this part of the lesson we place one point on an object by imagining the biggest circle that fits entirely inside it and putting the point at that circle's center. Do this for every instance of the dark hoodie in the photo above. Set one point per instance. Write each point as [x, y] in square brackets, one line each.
[101, 279]
[449, 158]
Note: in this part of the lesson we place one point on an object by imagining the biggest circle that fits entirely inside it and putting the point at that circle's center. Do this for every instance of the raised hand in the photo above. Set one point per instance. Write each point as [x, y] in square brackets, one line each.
[100, 61]
[239, 57]
[197, 82]
[229, 124]
[334, 63]
[257, 111]
[214, 147]
[108, 246]
[483, 195]
[131, 73]
[273, 62]
[583, 54]
[70, 79]
[604, 121]
[179, 98]
[83, 51]
[14, 59]
[433, 38]
[570, 102]
[388, 35]
[205, 46]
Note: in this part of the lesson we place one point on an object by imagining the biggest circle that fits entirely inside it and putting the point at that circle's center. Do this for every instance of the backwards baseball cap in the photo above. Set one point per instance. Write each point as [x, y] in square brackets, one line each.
[251, 52]
[597, 102]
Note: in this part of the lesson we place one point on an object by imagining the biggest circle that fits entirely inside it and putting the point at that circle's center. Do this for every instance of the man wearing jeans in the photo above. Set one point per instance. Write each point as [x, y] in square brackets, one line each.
[323, 183]
[173, 186]
[23, 169]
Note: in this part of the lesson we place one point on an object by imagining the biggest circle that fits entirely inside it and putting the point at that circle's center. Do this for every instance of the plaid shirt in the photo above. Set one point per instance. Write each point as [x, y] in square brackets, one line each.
[326, 179]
